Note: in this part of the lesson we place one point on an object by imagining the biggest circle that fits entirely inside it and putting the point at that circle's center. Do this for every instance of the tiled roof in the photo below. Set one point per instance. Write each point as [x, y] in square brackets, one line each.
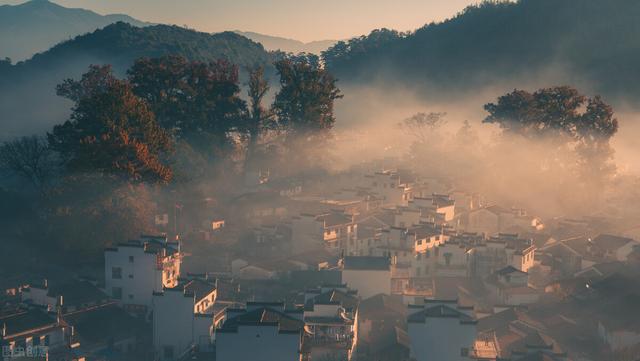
[439, 311]
[25, 321]
[77, 293]
[99, 324]
[264, 316]
[507, 270]
[199, 288]
[344, 299]
[610, 242]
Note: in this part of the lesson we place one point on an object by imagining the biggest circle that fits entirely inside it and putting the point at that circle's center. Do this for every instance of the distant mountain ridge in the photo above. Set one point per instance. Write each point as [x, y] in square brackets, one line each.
[27, 90]
[592, 44]
[37, 25]
[273, 43]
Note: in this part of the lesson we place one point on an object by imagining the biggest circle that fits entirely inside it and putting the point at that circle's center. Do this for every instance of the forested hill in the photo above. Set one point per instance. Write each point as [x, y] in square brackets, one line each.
[27, 90]
[37, 25]
[589, 43]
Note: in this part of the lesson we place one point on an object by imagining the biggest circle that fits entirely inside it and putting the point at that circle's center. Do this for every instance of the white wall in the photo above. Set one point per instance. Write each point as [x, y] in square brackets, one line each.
[173, 322]
[257, 343]
[482, 221]
[140, 278]
[441, 339]
[368, 283]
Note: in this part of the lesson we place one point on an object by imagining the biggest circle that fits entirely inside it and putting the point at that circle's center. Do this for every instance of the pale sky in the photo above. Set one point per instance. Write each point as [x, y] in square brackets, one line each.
[304, 20]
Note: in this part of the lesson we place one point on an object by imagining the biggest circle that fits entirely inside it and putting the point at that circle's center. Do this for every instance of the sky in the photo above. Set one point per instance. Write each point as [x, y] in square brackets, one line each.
[304, 20]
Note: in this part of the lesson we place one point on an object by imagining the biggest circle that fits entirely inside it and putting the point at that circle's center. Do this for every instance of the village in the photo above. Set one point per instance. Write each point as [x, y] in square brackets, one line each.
[373, 263]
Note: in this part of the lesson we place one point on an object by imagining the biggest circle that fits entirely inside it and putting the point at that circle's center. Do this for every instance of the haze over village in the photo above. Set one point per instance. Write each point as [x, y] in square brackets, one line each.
[261, 183]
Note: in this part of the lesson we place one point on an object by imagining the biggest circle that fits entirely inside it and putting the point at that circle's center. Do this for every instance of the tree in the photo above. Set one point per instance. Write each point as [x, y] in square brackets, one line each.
[568, 120]
[304, 104]
[466, 136]
[550, 112]
[111, 131]
[30, 158]
[422, 125]
[259, 117]
[197, 101]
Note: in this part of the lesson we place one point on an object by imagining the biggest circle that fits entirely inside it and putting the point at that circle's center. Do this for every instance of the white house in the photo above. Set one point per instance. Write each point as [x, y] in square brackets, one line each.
[500, 251]
[440, 330]
[263, 331]
[368, 275]
[510, 286]
[330, 313]
[388, 185]
[180, 323]
[136, 269]
[493, 219]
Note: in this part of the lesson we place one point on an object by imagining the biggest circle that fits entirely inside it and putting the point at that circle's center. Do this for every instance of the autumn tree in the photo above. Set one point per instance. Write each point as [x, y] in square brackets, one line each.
[111, 131]
[199, 102]
[30, 158]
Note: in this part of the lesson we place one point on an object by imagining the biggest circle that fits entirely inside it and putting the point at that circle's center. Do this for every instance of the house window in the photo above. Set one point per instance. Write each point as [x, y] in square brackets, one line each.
[116, 292]
[46, 340]
[116, 273]
[130, 259]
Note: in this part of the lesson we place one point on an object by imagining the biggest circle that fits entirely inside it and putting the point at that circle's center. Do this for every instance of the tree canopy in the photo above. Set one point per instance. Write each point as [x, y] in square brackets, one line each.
[197, 101]
[570, 121]
[553, 112]
[304, 104]
[111, 130]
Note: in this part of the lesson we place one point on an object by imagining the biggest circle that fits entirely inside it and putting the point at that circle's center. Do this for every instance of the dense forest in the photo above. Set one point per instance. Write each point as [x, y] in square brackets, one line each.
[589, 43]
[33, 81]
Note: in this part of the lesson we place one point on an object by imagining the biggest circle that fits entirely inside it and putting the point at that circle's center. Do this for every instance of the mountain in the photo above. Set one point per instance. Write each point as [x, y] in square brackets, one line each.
[273, 43]
[27, 89]
[592, 44]
[37, 25]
